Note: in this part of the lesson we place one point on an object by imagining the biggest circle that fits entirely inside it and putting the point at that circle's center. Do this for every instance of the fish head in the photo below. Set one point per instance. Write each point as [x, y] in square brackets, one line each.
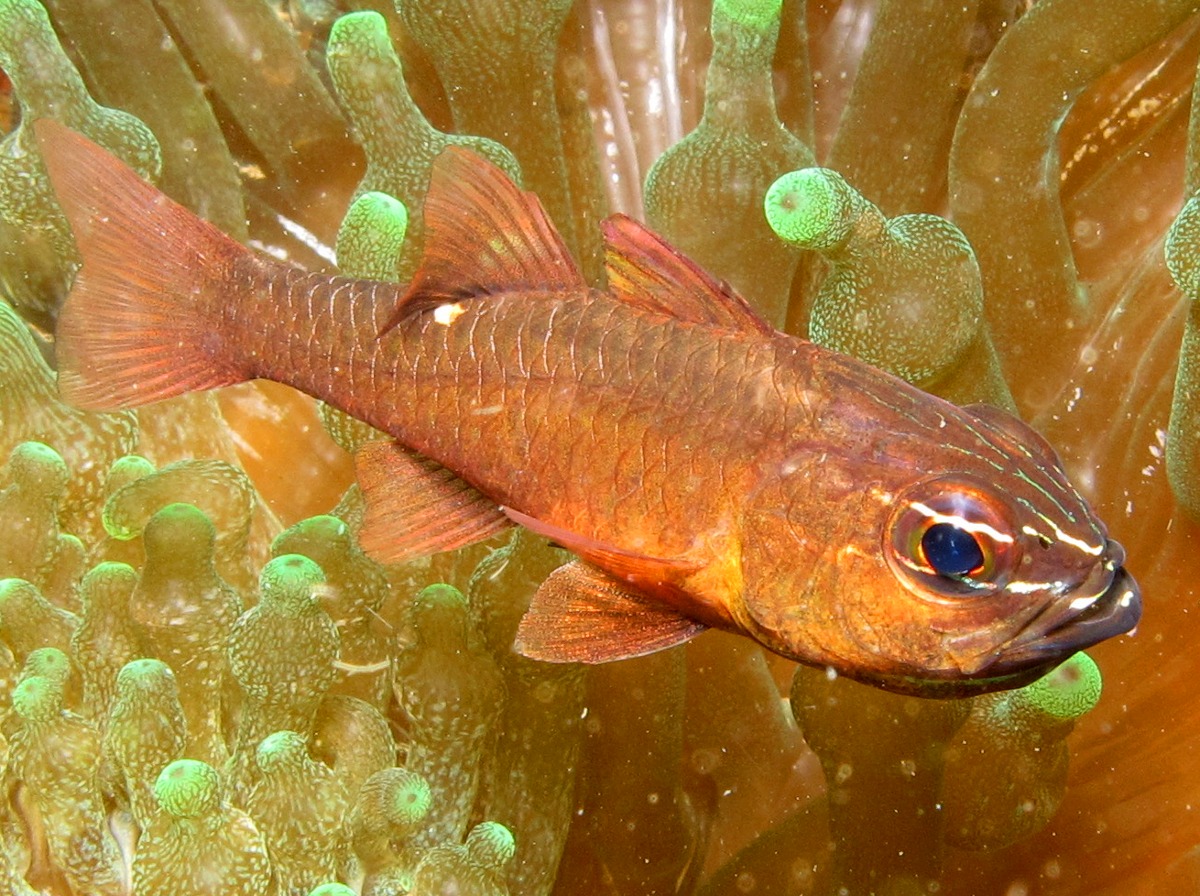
[945, 557]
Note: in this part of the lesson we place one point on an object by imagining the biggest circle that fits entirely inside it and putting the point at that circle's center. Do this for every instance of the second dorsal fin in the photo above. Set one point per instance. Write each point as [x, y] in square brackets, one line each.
[483, 236]
[647, 272]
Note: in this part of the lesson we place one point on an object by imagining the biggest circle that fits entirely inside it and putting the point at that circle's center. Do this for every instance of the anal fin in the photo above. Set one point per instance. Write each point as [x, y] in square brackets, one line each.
[580, 614]
[416, 507]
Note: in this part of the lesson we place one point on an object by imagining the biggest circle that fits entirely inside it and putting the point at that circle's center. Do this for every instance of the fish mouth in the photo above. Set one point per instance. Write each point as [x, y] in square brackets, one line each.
[1053, 637]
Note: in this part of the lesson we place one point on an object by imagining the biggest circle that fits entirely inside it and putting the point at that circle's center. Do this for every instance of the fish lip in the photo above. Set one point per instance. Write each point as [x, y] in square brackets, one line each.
[1116, 611]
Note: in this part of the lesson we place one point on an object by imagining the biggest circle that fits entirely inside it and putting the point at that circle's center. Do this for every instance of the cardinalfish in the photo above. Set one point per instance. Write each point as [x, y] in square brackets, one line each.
[707, 470]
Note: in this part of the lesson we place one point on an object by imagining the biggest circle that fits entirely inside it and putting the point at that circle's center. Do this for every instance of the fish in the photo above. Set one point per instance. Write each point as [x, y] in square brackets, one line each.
[706, 470]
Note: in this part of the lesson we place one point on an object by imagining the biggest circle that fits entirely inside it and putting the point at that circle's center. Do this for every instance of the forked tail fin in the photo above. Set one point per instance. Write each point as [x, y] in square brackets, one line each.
[142, 321]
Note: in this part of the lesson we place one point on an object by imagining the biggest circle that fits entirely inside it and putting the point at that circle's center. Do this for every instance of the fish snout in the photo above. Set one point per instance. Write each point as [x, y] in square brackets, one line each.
[1113, 606]
[1116, 611]
[1087, 617]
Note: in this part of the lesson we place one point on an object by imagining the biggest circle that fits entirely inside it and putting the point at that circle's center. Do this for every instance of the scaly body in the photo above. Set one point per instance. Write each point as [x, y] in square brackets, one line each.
[636, 429]
[707, 470]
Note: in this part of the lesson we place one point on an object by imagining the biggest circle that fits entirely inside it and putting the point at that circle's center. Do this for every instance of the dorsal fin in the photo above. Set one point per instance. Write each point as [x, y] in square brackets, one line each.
[647, 272]
[483, 236]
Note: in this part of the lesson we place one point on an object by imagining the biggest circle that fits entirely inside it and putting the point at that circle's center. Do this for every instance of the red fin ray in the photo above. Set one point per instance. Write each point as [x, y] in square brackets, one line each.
[580, 614]
[416, 507]
[645, 271]
[137, 326]
[484, 236]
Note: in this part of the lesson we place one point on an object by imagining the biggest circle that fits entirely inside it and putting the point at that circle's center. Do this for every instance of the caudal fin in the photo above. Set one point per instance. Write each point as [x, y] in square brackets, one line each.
[142, 321]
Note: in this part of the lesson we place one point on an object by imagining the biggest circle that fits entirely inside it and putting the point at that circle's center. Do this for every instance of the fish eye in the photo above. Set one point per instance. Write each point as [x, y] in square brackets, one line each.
[951, 537]
[950, 551]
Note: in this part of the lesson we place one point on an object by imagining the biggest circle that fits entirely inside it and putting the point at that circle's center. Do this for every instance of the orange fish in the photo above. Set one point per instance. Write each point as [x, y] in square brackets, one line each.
[706, 469]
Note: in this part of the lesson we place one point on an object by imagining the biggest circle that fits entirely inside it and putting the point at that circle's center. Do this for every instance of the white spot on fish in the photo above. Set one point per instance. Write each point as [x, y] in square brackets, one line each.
[1094, 549]
[959, 522]
[1025, 587]
[447, 314]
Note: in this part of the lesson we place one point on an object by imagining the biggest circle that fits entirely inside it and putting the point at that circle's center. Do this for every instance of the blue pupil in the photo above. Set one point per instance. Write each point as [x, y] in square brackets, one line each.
[951, 551]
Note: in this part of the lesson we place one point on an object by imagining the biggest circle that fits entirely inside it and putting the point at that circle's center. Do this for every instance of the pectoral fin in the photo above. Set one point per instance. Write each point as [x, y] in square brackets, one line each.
[651, 573]
[580, 614]
[416, 507]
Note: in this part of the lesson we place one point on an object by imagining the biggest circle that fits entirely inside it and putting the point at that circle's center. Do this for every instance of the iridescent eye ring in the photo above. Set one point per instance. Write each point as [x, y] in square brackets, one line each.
[950, 537]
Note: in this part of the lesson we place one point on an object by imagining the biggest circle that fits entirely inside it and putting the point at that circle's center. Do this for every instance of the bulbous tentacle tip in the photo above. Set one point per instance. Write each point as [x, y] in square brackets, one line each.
[491, 845]
[37, 466]
[179, 527]
[16, 592]
[406, 795]
[146, 674]
[37, 698]
[107, 579]
[759, 15]
[441, 594]
[188, 788]
[1066, 692]
[359, 47]
[290, 577]
[282, 748]
[48, 662]
[812, 208]
[332, 889]
[371, 237]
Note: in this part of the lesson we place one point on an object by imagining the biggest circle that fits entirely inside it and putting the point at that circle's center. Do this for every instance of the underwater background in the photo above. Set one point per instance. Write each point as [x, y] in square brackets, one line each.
[206, 687]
